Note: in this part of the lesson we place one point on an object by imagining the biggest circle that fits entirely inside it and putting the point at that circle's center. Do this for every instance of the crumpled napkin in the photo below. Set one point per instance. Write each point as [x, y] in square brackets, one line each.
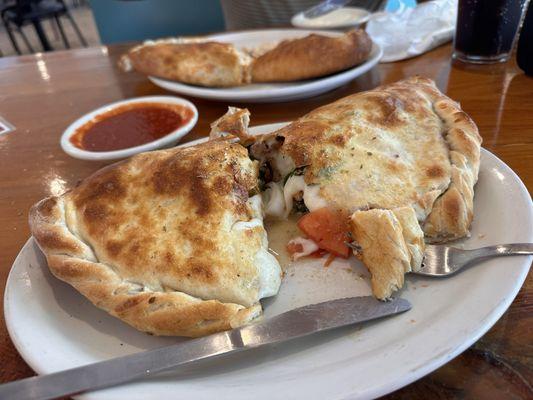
[413, 31]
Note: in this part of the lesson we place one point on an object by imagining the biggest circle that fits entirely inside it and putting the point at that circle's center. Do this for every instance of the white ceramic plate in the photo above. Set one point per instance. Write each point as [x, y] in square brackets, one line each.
[165, 141]
[271, 92]
[55, 328]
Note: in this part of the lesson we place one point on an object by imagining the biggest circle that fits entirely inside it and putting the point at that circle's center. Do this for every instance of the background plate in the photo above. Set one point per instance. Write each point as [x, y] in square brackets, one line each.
[55, 328]
[271, 92]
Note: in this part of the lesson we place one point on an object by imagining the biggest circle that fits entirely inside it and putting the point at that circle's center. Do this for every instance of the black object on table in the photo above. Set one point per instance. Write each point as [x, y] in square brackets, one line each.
[486, 30]
[524, 53]
[24, 12]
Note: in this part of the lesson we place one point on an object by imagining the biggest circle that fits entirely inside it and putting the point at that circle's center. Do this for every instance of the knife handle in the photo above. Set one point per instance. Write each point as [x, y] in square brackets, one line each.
[118, 370]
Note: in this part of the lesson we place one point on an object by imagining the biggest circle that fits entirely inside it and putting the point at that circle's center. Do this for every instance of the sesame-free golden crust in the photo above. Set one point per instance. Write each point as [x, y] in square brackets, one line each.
[155, 240]
[161, 313]
[400, 146]
[383, 148]
[210, 64]
[390, 243]
[207, 63]
[453, 212]
[311, 56]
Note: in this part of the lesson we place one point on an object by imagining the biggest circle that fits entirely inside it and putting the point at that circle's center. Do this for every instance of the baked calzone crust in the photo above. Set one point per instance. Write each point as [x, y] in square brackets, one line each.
[196, 62]
[199, 61]
[390, 244]
[171, 242]
[400, 145]
[311, 56]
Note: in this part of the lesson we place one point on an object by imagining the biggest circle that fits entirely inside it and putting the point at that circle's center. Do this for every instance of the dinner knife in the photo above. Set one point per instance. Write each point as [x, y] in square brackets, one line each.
[290, 325]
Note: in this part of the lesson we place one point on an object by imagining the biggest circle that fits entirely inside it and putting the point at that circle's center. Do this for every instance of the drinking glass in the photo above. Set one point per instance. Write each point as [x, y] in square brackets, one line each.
[486, 29]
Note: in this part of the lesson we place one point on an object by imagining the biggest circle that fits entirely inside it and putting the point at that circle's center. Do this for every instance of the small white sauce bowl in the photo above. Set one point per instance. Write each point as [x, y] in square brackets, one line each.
[165, 141]
[342, 18]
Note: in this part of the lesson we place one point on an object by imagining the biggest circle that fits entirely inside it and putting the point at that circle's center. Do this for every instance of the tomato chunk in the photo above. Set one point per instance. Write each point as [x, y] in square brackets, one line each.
[328, 229]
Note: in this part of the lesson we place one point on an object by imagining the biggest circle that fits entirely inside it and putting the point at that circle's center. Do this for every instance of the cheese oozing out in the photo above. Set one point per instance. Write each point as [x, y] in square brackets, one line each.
[269, 268]
[279, 199]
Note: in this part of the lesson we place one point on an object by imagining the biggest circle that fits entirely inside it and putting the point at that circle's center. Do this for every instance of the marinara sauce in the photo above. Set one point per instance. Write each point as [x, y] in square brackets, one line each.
[130, 125]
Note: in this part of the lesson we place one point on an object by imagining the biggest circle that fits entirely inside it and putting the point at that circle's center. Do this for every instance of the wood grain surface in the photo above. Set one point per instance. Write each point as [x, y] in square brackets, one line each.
[42, 94]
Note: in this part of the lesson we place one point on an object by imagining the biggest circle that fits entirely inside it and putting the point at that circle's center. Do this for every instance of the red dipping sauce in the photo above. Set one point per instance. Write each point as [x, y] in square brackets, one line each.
[130, 125]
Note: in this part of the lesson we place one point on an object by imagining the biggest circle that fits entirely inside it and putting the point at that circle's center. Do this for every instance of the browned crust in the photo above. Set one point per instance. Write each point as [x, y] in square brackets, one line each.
[120, 283]
[453, 211]
[449, 210]
[210, 64]
[381, 107]
[311, 57]
[160, 313]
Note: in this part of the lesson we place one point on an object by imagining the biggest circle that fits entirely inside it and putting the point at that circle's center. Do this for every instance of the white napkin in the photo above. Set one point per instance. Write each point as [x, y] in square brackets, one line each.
[413, 31]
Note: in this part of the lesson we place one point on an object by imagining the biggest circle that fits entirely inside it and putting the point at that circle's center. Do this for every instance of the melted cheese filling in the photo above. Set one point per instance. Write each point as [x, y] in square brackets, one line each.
[269, 270]
[279, 201]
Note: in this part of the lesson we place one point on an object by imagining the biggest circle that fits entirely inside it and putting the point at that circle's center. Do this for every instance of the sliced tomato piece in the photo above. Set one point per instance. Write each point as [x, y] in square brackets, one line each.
[318, 254]
[328, 228]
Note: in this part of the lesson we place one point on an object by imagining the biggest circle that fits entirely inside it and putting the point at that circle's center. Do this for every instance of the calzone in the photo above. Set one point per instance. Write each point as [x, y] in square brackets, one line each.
[171, 242]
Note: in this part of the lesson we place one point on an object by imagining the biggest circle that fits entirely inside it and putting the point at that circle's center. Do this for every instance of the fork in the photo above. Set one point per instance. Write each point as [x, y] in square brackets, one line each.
[444, 261]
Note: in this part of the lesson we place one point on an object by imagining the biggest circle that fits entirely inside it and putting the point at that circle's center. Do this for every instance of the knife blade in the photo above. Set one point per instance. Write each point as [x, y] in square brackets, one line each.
[290, 325]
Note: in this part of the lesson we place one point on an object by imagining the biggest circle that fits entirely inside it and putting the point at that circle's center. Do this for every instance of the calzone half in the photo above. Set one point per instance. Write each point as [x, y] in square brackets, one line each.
[204, 62]
[171, 242]
[192, 61]
[398, 162]
[311, 56]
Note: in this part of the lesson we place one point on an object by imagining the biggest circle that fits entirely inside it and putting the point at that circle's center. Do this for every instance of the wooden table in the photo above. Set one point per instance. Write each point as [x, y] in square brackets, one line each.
[42, 94]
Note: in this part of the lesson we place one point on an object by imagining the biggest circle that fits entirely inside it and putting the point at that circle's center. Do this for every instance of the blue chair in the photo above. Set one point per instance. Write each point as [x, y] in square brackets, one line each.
[124, 21]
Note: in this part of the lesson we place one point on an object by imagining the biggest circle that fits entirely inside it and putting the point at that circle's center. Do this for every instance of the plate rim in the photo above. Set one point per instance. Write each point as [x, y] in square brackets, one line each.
[385, 388]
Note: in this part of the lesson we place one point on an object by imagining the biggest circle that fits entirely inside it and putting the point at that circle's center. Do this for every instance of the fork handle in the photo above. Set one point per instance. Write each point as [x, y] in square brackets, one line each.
[510, 249]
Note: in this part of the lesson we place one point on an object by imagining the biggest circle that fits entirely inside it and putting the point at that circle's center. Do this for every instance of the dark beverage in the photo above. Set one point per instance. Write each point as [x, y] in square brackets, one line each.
[486, 29]
[524, 51]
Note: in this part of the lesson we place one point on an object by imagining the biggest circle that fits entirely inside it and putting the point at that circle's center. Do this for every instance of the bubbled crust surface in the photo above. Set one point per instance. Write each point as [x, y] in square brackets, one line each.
[133, 239]
[383, 148]
[311, 57]
[210, 64]
[453, 212]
